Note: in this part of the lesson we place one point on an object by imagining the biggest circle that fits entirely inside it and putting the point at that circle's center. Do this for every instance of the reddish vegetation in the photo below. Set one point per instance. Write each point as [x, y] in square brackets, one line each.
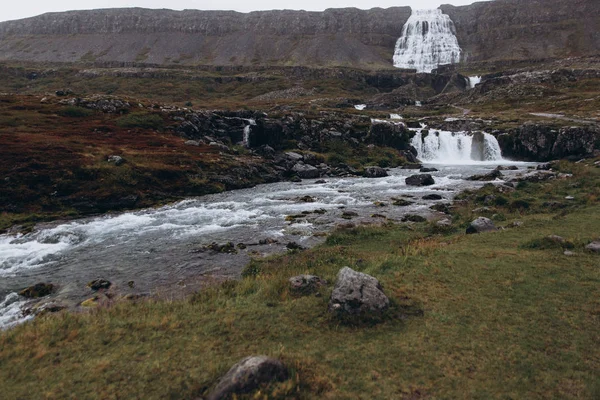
[55, 165]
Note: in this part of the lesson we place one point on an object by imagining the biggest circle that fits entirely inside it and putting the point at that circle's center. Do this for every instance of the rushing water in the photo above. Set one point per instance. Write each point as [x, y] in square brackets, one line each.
[158, 249]
[428, 40]
[444, 147]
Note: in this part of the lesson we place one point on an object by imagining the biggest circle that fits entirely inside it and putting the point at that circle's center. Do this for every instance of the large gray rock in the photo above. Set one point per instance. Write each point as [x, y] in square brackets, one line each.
[480, 225]
[248, 375]
[420, 180]
[375, 172]
[306, 171]
[594, 246]
[357, 293]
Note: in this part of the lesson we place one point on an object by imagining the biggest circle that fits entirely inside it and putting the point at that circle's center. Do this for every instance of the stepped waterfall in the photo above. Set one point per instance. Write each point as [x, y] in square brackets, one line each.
[428, 40]
[442, 147]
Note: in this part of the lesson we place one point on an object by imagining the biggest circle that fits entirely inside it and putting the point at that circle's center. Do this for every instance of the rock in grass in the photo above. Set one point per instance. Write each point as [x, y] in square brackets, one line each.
[420, 180]
[356, 293]
[117, 160]
[303, 285]
[98, 284]
[594, 247]
[375, 172]
[37, 290]
[481, 225]
[248, 375]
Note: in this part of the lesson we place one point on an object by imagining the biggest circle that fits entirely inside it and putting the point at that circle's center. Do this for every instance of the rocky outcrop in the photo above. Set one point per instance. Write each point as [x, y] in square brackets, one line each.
[248, 375]
[533, 142]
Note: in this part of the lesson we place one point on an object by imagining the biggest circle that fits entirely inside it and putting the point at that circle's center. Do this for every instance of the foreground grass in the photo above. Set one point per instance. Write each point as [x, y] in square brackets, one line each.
[478, 316]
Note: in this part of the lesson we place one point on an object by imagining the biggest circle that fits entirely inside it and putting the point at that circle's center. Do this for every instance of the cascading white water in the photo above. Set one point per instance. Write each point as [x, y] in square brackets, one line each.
[443, 147]
[474, 80]
[428, 40]
[247, 130]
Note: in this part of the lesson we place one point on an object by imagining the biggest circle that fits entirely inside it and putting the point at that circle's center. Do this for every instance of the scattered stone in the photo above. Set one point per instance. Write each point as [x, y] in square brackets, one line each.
[294, 156]
[304, 285]
[117, 160]
[248, 375]
[441, 207]
[568, 253]
[37, 290]
[432, 197]
[481, 225]
[131, 284]
[556, 239]
[444, 223]
[293, 246]
[91, 302]
[594, 246]
[492, 176]
[192, 143]
[227, 248]
[413, 218]
[424, 169]
[98, 284]
[267, 241]
[379, 204]
[375, 172]
[349, 214]
[516, 224]
[357, 293]
[320, 182]
[420, 180]
[241, 246]
[378, 216]
[507, 168]
[402, 202]
[569, 198]
[306, 199]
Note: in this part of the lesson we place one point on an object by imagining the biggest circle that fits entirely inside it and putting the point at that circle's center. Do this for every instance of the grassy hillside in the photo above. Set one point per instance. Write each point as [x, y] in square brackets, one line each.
[497, 315]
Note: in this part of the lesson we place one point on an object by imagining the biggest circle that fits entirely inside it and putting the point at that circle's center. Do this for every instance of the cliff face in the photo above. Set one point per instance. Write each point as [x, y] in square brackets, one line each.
[527, 29]
[496, 30]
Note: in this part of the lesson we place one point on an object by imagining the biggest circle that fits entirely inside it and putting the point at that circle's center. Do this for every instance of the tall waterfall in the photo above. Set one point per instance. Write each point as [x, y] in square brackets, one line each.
[428, 40]
[456, 147]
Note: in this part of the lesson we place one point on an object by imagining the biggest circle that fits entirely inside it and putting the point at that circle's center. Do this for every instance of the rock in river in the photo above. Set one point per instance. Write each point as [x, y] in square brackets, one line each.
[37, 290]
[375, 172]
[357, 293]
[420, 180]
[248, 375]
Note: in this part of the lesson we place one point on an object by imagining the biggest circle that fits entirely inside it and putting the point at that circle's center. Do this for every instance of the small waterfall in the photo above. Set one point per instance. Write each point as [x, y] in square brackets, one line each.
[428, 40]
[474, 80]
[247, 130]
[456, 147]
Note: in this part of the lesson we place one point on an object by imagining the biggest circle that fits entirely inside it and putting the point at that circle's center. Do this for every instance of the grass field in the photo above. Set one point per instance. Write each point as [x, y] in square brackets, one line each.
[491, 316]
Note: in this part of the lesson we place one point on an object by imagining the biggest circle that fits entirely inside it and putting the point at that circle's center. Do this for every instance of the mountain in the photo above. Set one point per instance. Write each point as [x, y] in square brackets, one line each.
[496, 30]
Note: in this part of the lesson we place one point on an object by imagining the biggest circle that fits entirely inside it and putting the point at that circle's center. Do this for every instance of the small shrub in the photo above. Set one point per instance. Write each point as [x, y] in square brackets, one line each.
[75, 112]
[142, 120]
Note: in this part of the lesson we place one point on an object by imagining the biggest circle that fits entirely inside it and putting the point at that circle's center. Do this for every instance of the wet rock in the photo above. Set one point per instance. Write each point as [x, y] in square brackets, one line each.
[507, 168]
[268, 241]
[441, 207]
[428, 170]
[295, 179]
[432, 197]
[356, 293]
[349, 214]
[306, 199]
[412, 166]
[37, 290]
[306, 171]
[375, 172]
[413, 218]
[481, 225]
[594, 247]
[420, 180]
[491, 176]
[241, 246]
[117, 160]
[402, 202]
[304, 285]
[226, 248]
[320, 181]
[248, 375]
[98, 284]
[293, 246]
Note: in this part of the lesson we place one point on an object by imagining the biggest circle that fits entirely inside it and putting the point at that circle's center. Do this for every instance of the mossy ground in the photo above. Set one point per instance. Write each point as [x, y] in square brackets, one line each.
[473, 316]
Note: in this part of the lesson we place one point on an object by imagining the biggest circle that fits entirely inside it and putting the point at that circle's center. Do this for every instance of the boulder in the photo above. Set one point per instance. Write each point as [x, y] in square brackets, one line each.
[432, 197]
[594, 247]
[117, 160]
[481, 225]
[37, 290]
[357, 293]
[294, 156]
[491, 176]
[305, 284]
[248, 375]
[375, 172]
[424, 169]
[306, 171]
[98, 284]
[420, 180]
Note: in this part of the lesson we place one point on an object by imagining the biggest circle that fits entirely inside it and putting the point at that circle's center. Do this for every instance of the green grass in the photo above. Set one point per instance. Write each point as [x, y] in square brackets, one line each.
[480, 316]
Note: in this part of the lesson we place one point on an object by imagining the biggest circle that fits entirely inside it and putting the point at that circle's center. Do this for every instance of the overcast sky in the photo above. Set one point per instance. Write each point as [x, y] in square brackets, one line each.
[12, 9]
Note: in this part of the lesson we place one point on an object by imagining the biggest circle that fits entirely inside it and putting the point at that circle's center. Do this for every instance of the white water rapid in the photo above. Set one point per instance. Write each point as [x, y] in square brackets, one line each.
[445, 147]
[474, 80]
[428, 40]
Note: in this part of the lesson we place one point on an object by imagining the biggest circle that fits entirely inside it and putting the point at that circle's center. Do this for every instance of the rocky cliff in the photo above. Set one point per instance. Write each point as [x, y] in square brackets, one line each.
[496, 30]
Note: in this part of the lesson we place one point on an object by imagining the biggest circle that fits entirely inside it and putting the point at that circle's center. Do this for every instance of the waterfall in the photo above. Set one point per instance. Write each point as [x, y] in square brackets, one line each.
[474, 80]
[428, 40]
[455, 147]
[247, 130]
